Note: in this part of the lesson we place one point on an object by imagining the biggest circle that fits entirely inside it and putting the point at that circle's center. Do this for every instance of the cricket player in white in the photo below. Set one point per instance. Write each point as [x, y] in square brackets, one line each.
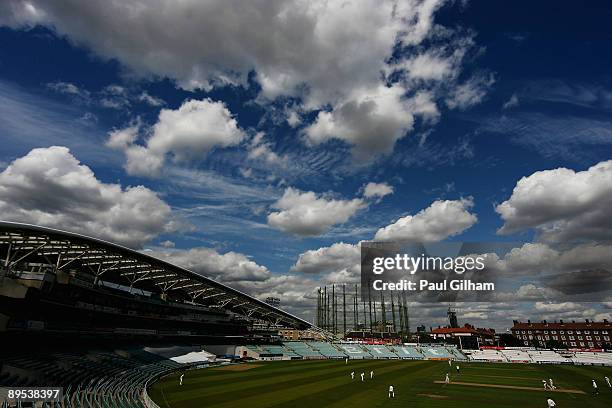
[346, 360]
[371, 374]
[608, 381]
[391, 392]
[181, 379]
[550, 382]
[457, 369]
[551, 403]
[595, 390]
[545, 384]
[362, 375]
[447, 379]
[352, 375]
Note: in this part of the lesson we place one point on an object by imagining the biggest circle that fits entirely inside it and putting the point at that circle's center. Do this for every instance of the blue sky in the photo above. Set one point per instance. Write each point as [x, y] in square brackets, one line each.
[294, 108]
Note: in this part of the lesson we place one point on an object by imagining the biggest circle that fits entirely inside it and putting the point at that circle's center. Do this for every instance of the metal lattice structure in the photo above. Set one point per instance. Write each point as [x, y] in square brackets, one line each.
[115, 264]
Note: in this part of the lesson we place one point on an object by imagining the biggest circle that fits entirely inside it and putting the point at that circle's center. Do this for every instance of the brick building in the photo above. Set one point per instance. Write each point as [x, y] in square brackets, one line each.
[573, 334]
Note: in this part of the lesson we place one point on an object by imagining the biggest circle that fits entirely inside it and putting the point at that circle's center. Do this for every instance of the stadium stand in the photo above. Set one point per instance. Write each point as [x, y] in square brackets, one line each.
[380, 351]
[329, 350]
[456, 353]
[355, 351]
[590, 358]
[516, 356]
[487, 355]
[100, 378]
[547, 357]
[92, 306]
[303, 349]
[408, 352]
[434, 352]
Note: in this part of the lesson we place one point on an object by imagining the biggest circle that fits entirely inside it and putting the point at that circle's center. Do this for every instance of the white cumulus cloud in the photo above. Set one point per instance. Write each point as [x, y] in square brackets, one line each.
[377, 190]
[334, 56]
[50, 187]
[562, 204]
[185, 134]
[307, 214]
[228, 267]
[442, 219]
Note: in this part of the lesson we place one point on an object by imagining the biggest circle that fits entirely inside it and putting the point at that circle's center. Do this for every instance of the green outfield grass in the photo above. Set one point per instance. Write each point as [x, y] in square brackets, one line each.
[327, 383]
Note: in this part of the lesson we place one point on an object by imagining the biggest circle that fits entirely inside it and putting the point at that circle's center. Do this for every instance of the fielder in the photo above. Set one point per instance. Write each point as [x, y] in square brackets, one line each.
[550, 383]
[551, 403]
[608, 381]
[181, 379]
[352, 375]
[447, 379]
[362, 375]
[595, 389]
[545, 384]
[457, 369]
[346, 360]
[371, 374]
[391, 392]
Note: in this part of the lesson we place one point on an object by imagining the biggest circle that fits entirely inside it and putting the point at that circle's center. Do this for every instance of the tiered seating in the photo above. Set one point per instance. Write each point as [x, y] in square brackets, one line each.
[254, 348]
[273, 349]
[90, 379]
[456, 353]
[354, 351]
[408, 352]
[303, 349]
[547, 356]
[487, 355]
[327, 349]
[586, 358]
[516, 356]
[434, 352]
[379, 351]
